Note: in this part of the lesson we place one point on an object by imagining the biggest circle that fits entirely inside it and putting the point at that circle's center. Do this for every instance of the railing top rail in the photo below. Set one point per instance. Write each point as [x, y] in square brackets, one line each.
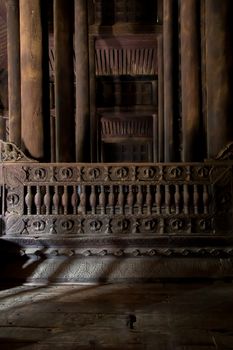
[25, 173]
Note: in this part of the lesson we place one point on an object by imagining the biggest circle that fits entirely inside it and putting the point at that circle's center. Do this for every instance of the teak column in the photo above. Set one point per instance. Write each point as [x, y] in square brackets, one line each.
[64, 80]
[82, 82]
[13, 52]
[168, 44]
[190, 81]
[160, 101]
[219, 74]
[31, 78]
[2, 126]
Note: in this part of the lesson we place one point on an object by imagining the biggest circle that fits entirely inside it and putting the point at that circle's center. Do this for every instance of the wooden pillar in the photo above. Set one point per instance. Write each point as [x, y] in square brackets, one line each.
[159, 11]
[13, 51]
[2, 126]
[31, 78]
[82, 82]
[168, 43]
[64, 81]
[160, 101]
[92, 94]
[192, 135]
[219, 74]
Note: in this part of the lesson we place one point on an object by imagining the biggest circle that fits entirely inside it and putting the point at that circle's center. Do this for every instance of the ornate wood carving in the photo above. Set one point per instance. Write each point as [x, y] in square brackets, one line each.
[226, 153]
[105, 199]
[120, 211]
[126, 56]
[9, 152]
[126, 127]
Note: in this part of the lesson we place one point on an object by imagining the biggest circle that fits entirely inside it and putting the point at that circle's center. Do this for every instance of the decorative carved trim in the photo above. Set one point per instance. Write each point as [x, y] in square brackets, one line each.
[226, 153]
[9, 152]
[129, 252]
[117, 200]
[94, 226]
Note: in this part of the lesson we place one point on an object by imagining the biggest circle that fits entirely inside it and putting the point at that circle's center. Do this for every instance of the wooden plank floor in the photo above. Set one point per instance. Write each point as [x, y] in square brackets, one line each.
[118, 316]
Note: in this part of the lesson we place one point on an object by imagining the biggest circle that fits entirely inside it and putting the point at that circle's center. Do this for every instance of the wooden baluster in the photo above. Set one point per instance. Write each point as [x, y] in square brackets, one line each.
[83, 200]
[130, 199]
[121, 199]
[64, 200]
[148, 200]
[167, 199]
[186, 199]
[74, 200]
[56, 200]
[205, 199]
[195, 199]
[177, 198]
[158, 199]
[111, 200]
[93, 200]
[47, 201]
[37, 200]
[102, 200]
[140, 200]
[28, 200]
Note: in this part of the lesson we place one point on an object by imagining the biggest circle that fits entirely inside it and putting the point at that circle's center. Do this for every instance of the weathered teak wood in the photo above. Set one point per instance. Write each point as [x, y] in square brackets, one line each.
[64, 81]
[92, 90]
[118, 316]
[70, 217]
[219, 73]
[168, 46]
[114, 199]
[2, 127]
[13, 53]
[87, 215]
[32, 78]
[82, 82]
[192, 133]
[160, 100]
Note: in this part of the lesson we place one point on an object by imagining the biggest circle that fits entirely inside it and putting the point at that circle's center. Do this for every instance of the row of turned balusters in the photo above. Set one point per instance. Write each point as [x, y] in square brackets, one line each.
[117, 199]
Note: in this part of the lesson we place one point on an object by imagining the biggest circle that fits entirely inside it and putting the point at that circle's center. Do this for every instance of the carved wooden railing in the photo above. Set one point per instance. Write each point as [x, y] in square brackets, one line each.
[116, 199]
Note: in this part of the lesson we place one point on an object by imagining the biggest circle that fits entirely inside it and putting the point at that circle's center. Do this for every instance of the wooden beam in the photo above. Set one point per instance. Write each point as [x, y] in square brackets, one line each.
[64, 81]
[219, 74]
[13, 52]
[31, 78]
[82, 82]
[192, 134]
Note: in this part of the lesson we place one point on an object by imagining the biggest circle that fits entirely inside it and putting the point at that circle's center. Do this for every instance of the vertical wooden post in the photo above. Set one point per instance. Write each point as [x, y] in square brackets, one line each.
[82, 82]
[92, 92]
[160, 101]
[168, 17]
[219, 74]
[190, 77]
[13, 52]
[159, 11]
[64, 81]
[2, 126]
[31, 78]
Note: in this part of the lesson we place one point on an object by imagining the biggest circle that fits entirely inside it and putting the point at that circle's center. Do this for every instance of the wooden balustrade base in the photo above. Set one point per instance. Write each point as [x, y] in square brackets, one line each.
[89, 261]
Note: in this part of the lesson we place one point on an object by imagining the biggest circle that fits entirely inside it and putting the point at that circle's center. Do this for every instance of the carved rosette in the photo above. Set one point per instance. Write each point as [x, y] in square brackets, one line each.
[176, 173]
[201, 173]
[152, 173]
[66, 174]
[178, 226]
[95, 174]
